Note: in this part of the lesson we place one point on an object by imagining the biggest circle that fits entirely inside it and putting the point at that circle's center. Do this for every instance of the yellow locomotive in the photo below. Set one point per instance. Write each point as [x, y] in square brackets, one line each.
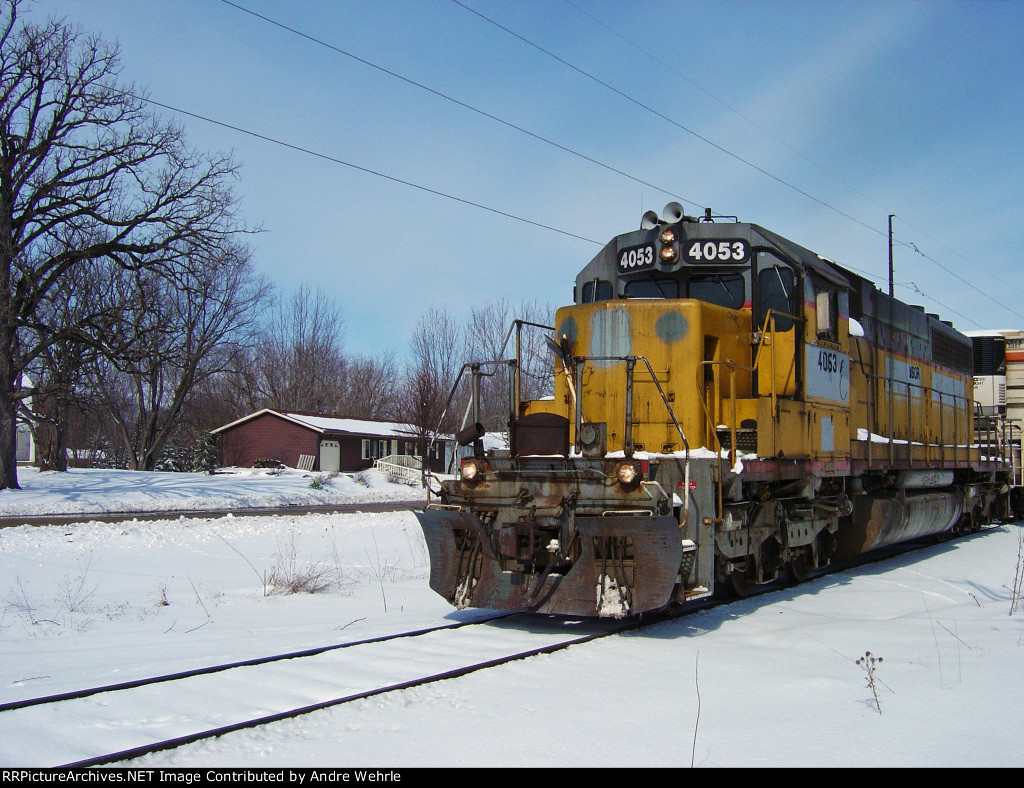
[728, 406]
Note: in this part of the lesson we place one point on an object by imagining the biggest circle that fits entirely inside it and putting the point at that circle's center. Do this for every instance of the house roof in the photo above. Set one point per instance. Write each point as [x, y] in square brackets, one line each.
[335, 425]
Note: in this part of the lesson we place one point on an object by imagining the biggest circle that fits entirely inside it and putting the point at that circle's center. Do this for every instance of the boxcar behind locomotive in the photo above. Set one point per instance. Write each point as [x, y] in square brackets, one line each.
[728, 406]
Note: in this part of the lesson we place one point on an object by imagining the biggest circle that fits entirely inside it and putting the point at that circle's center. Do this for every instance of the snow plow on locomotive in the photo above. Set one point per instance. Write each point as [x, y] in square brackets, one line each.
[728, 407]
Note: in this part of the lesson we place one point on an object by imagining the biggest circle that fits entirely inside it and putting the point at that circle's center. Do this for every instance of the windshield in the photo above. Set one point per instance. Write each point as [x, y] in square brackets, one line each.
[723, 289]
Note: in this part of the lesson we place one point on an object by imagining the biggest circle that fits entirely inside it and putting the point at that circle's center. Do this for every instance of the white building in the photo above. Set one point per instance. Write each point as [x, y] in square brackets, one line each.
[26, 445]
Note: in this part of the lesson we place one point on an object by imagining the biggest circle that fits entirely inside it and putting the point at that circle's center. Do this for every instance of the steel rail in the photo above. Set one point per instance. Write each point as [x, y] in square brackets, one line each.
[13, 520]
[185, 674]
[178, 741]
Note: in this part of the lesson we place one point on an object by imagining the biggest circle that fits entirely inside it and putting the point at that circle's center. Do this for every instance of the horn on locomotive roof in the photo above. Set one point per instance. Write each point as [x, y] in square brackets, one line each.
[673, 213]
[649, 220]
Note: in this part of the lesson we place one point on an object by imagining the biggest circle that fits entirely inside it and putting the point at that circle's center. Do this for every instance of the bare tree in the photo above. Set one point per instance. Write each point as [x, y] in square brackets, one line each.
[432, 369]
[199, 320]
[440, 348]
[301, 356]
[86, 174]
[290, 370]
[492, 336]
[367, 387]
[57, 372]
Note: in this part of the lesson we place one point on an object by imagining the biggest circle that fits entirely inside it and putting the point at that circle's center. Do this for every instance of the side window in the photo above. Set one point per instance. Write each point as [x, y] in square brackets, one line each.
[596, 290]
[776, 288]
[826, 303]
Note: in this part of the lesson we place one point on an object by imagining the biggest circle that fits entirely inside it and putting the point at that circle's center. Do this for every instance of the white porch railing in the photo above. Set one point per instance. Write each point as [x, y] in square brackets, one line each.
[407, 467]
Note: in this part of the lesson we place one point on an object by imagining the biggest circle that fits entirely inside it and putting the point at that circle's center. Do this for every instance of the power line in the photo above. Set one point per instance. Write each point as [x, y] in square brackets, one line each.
[547, 141]
[954, 251]
[697, 86]
[715, 145]
[768, 133]
[674, 122]
[966, 282]
[913, 287]
[452, 99]
[538, 137]
[358, 167]
[437, 192]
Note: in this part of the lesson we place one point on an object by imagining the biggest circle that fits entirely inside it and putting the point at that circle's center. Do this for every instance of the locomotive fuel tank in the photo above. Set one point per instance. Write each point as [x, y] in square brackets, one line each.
[879, 521]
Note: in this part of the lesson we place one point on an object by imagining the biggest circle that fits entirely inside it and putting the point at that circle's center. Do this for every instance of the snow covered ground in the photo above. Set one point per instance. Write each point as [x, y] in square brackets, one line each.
[769, 681]
[94, 490]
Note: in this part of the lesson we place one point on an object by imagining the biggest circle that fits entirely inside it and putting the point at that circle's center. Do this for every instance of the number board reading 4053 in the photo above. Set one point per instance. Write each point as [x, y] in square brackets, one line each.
[725, 251]
[637, 258]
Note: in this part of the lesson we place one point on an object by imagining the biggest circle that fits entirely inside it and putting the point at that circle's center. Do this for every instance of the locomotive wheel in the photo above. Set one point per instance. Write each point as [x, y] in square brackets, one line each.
[740, 582]
[798, 567]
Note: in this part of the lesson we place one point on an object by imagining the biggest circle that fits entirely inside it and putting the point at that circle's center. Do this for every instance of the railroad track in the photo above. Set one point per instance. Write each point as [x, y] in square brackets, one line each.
[190, 706]
[12, 520]
[114, 723]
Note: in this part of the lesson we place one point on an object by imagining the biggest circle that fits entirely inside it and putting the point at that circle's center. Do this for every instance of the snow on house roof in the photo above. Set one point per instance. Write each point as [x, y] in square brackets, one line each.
[387, 429]
[333, 424]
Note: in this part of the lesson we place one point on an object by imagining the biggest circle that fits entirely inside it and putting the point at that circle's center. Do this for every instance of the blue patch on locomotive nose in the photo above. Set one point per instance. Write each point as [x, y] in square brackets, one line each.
[610, 334]
[671, 327]
[568, 331]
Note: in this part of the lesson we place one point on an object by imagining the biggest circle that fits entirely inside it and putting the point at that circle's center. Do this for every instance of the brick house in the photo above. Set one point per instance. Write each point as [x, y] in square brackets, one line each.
[318, 442]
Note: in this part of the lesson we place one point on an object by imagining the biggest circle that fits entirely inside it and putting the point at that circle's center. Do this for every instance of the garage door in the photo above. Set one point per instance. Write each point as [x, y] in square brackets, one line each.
[330, 456]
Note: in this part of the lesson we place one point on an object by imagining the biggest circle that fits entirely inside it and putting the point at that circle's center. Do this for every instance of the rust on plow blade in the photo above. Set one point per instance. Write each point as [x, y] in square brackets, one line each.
[627, 565]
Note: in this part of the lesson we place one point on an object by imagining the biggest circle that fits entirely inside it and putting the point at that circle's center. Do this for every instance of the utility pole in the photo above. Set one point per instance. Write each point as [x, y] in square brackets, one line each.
[890, 257]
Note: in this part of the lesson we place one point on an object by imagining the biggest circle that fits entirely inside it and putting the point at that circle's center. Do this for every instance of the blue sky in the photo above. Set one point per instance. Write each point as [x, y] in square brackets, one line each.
[814, 119]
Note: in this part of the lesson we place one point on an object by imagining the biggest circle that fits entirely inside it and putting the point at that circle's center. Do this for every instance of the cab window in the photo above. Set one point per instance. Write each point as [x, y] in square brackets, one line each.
[722, 289]
[596, 290]
[652, 288]
[776, 289]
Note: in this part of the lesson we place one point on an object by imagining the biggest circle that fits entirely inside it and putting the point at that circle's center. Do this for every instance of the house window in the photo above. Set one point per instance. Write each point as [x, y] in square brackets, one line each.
[374, 448]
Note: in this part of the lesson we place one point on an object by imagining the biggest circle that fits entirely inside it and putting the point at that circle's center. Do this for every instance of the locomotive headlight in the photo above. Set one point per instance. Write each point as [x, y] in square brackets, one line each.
[626, 473]
[470, 471]
[669, 248]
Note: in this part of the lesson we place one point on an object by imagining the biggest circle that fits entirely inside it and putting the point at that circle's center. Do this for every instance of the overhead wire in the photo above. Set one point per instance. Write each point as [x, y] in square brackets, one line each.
[360, 168]
[665, 117]
[697, 86]
[718, 147]
[548, 141]
[452, 99]
[971, 285]
[822, 168]
[767, 132]
[912, 286]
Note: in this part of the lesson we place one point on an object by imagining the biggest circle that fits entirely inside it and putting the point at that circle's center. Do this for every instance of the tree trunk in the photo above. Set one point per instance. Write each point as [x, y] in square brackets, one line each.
[51, 447]
[8, 432]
